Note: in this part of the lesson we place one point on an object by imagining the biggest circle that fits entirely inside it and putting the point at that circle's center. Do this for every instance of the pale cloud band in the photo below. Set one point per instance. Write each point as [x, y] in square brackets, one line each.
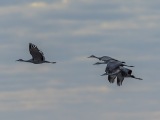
[68, 31]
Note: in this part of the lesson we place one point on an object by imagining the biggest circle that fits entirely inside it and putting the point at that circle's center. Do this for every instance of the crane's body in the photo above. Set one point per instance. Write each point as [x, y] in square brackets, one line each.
[37, 55]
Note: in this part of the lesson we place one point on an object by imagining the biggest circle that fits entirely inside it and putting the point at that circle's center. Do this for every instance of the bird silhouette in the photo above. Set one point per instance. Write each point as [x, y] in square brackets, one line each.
[125, 72]
[37, 55]
[117, 69]
[113, 67]
[106, 59]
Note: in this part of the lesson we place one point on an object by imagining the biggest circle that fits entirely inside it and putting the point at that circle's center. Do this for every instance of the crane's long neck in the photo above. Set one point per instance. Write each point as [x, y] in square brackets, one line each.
[96, 57]
[98, 63]
[21, 60]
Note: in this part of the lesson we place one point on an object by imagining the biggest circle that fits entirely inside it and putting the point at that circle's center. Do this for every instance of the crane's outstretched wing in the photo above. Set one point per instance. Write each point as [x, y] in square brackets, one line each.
[120, 79]
[111, 78]
[37, 55]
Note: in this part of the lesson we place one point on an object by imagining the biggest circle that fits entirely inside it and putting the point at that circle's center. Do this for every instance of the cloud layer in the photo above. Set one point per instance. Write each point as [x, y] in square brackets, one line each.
[68, 31]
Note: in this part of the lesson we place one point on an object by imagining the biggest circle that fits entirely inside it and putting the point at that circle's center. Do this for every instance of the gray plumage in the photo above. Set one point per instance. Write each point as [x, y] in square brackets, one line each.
[117, 70]
[113, 67]
[37, 55]
[108, 61]
[125, 72]
[103, 58]
[111, 78]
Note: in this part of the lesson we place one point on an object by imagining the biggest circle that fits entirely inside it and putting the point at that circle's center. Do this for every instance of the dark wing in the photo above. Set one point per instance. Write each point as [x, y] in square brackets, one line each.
[112, 66]
[105, 58]
[37, 55]
[120, 79]
[126, 72]
[111, 78]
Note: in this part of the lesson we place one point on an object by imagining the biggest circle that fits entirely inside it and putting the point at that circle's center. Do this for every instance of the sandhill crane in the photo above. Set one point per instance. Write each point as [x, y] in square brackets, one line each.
[37, 55]
[103, 58]
[113, 67]
[125, 72]
[114, 70]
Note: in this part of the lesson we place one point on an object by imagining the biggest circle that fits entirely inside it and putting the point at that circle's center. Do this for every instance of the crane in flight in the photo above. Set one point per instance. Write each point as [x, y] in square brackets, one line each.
[105, 59]
[117, 69]
[37, 55]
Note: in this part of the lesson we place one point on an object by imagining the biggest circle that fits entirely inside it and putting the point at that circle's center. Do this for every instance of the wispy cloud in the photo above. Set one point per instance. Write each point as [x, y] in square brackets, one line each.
[68, 31]
[45, 98]
[38, 4]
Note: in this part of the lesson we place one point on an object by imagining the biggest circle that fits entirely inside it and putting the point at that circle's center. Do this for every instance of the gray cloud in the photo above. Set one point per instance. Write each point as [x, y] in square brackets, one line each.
[68, 31]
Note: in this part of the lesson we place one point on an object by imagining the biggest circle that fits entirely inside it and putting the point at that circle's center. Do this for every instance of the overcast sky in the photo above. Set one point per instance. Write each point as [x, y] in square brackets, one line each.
[68, 31]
